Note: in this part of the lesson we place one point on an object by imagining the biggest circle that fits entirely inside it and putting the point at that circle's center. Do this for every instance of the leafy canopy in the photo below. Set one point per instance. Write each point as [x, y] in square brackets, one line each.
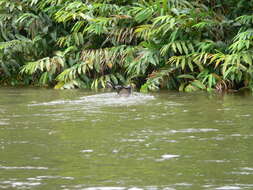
[174, 44]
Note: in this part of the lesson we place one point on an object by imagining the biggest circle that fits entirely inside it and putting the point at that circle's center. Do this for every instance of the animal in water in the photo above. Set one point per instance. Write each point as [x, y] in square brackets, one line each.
[121, 90]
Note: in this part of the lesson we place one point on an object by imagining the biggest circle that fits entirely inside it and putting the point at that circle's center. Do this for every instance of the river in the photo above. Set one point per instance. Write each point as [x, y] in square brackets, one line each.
[77, 139]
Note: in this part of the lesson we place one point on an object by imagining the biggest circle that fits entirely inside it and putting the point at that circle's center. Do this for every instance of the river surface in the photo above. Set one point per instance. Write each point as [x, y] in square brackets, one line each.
[83, 140]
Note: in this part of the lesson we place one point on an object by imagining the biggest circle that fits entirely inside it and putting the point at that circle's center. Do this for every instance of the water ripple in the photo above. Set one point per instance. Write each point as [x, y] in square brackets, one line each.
[191, 130]
[23, 168]
[228, 188]
[39, 178]
[19, 184]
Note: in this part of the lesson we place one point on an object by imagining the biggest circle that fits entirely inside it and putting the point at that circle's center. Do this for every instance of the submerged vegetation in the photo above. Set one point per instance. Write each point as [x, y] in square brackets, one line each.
[186, 45]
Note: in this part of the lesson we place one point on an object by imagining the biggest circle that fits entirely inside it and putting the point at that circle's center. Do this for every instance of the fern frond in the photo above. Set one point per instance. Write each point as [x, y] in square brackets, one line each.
[144, 31]
[143, 12]
[51, 65]
[122, 35]
[245, 19]
[179, 46]
[4, 45]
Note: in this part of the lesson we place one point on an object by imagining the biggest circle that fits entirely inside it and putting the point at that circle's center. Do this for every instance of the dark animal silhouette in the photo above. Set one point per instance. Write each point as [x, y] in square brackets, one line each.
[121, 90]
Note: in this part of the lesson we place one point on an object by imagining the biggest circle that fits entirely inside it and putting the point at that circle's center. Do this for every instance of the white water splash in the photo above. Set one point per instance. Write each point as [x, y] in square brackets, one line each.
[86, 151]
[169, 156]
[104, 188]
[105, 99]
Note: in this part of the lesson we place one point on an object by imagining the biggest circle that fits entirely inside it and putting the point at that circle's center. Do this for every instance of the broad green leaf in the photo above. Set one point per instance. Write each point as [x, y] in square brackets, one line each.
[198, 84]
[186, 76]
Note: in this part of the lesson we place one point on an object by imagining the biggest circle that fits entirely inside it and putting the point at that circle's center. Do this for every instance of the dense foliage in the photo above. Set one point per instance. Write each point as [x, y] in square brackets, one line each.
[185, 45]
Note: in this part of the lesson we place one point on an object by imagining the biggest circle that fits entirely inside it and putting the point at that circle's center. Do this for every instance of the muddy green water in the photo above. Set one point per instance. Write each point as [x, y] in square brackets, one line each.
[70, 140]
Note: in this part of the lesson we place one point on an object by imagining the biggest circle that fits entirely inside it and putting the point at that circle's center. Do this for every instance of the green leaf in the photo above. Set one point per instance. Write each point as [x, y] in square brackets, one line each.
[211, 80]
[190, 88]
[182, 87]
[247, 58]
[144, 88]
[198, 84]
[186, 76]
[183, 63]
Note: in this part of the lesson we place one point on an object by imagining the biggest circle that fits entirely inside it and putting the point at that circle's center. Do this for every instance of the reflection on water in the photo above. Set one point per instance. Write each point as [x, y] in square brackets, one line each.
[53, 139]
